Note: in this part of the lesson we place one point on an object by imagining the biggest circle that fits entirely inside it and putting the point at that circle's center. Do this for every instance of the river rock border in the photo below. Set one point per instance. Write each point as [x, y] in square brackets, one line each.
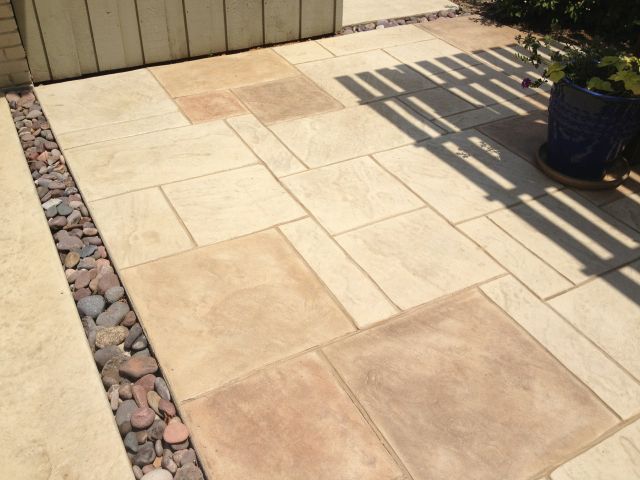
[156, 440]
[395, 22]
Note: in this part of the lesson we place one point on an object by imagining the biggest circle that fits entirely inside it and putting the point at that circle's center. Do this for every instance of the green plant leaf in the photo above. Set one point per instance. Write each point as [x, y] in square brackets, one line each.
[610, 60]
[597, 83]
[555, 67]
[556, 76]
[630, 79]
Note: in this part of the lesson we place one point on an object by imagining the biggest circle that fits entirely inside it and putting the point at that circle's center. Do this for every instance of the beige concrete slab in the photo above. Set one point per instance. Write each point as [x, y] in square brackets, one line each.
[626, 210]
[266, 146]
[55, 414]
[360, 11]
[433, 56]
[465, 175]
[302, 52]
[361, 298]
[351, 194]
[607, 380]
[288, 422]
[418, 257]
[210, 106]
[570, 235]
[543, 280]
[138, 227]
[104, 100]
[231, 204]
[363, 77]
[628, 188]
[460, 392]
[234, 307]
[619, 293]
[143, 161]
[286, 99]
[364, 41]
[435, 103]
[353, 132]
[227, 71]
[614, 459]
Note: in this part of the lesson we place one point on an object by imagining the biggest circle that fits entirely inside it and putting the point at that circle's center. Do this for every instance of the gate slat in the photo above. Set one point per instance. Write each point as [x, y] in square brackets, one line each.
[30, 34]
[82, 33]
[162, 28]
[317, 17]
[281, 20]
[205, 26]
[244, 24]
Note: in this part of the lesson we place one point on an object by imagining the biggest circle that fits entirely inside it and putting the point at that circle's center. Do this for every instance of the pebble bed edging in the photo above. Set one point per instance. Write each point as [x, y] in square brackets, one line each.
[395, 22]
[156, 440]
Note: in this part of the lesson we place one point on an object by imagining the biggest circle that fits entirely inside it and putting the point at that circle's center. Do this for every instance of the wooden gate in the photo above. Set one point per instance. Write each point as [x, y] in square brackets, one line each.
[71, 38]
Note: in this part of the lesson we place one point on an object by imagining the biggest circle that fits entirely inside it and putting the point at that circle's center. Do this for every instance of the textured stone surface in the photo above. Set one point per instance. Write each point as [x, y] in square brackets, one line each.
[303, 52]
[432, 56]
[388, 37]
[210, 106]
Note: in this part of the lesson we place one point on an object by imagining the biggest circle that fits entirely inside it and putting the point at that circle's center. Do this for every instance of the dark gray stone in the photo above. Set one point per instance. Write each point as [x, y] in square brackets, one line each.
[91, 306]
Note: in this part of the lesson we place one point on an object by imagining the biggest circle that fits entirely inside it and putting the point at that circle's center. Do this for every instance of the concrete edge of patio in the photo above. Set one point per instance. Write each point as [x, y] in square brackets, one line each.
[57, 422]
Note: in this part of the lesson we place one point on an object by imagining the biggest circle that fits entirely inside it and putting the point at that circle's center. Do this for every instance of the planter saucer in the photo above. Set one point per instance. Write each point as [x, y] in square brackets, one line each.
[616, 174]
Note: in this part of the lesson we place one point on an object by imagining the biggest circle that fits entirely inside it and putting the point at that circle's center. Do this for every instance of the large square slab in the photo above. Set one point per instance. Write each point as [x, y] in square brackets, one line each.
[363, 77]
[607, 310]
[572, 236]
[460, 392]
[353, 132]
[286, 99]
[231, 204]
[351, 194]
[432, 56]
[104, 100]
[143, 161]
[627, 210]
[465, 175]
[216, 313]
[364, 41]
[436, 103]
[522, 135]
[228, 71]
[138, 227]
[418, 257]
[288, 422]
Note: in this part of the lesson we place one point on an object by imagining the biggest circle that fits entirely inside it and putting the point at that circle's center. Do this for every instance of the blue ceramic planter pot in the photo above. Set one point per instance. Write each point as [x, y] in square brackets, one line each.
[588, 130]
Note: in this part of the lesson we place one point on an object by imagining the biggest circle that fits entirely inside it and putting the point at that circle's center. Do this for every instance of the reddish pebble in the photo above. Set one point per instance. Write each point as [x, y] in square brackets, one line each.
[175, 433]
[148, 468]
[139, 394]
[148, 382]
[142, 417]
[167, 407]
[137, 367]
[129, 319]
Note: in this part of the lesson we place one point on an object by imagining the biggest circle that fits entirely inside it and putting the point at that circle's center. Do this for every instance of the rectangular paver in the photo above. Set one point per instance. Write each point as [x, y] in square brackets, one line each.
[210, 106]
[387, 37]
[302, 52]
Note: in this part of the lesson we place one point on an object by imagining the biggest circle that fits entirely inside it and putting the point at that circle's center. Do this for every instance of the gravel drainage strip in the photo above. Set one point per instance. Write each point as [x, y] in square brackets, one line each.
[156, 440]
[396, 22]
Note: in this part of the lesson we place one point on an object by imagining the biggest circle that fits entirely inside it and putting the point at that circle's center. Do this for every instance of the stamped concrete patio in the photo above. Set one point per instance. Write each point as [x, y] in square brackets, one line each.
[349, 267]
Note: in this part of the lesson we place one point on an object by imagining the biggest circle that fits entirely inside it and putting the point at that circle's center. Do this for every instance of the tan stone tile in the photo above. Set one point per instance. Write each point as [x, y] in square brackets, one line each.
[286, 99]
[616, 297]
[352, 287]
[432, 56]
[418, 257]
[353, 132]
[291, 421]
[104, 100]
[616, 458]
[230, 204]
[435, 103]
[227, 71]
[626, 210]
[528, 268]
[570, 235]
[471, 34]
[210, 106]
[628, 188]
[351, 194]
[460, 392]
[363, 41]
[264, 144]
[302, 52]
[363, 77]
[360, 11]
[143, 161]
[234, 307]
[139, 226]
[522, 135]
[607, 380]
[114, 131]
[465, 175]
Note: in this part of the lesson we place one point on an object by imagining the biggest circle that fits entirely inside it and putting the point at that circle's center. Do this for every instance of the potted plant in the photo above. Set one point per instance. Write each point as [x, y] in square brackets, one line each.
[594, 109]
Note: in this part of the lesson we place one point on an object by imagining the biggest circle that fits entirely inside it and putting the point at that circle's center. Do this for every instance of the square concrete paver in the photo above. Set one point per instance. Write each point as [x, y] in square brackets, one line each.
[522, 135]
[464, 175]
[364, 41]
[215, 314]
[460, 392]
[286, 99]
[231, 204]
[435, 103]
[359, 11]
[418, 257]
[139, 226]
[614, 459]
[229, 71]
[291, 421]
[618, 330]
[568, 233]
[432, 56]
[210, 106]
[303, 52]
[363, 77]
[626, 210]
[143, 161]
[353, 132]
[351, 194]
[104, 100]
